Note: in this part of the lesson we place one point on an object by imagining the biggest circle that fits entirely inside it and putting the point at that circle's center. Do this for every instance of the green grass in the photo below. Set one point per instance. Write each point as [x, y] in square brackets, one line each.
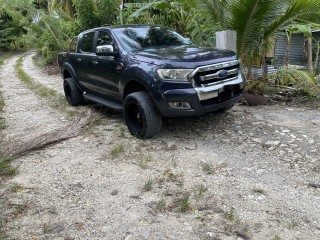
[55, 99]
[183, 203]
[144, 161]
[230, 215]
[161, 205]
[148, 185]
[117, 151]
[6, 169]
[207, 168]
[200, 190]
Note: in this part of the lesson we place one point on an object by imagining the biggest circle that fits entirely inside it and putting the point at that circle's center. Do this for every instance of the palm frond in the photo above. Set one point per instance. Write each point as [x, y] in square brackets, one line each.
[249, 18]
[298, 11]
[293, 76]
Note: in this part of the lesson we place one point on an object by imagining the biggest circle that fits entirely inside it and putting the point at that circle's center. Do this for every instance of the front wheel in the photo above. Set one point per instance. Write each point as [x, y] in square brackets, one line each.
[141, 115]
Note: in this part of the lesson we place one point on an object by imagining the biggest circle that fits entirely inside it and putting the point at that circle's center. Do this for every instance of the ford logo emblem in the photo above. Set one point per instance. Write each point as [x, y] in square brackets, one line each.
[222, 74]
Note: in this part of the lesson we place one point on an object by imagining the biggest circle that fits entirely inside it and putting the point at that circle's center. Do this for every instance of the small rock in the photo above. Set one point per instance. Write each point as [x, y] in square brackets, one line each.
[260, 171]
[257, 140]
[272, 143]
[56, 228]
[124, 228]
[72, 206]
[128, 237]
[285, 131]
[145, 234]
[314, 185]
[293, 136]
[114, 192]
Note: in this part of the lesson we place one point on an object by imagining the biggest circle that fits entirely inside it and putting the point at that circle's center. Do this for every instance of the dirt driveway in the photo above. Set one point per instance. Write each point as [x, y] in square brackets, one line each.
[250, 173]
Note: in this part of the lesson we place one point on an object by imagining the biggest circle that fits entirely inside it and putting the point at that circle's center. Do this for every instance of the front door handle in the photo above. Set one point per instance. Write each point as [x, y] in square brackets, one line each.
[79, 59]
[95, 62]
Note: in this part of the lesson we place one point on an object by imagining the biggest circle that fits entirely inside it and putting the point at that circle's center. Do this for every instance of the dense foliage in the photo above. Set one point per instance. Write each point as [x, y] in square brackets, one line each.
[49, 25]
[14, 17]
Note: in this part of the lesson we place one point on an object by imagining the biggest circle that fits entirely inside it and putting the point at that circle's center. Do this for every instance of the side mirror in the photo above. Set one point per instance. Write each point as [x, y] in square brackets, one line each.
[105, 50]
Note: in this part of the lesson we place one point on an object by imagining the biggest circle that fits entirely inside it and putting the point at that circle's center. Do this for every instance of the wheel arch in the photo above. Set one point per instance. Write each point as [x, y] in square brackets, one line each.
[68, 71]
[133, 86]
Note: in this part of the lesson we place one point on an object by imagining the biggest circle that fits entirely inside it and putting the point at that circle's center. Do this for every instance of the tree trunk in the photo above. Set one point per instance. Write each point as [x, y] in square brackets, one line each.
[310, 65]
[263, 62]
[289, 34]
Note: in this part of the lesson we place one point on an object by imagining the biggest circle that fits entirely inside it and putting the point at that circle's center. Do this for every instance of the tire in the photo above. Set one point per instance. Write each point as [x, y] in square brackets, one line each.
[72, 92]
[141, 115]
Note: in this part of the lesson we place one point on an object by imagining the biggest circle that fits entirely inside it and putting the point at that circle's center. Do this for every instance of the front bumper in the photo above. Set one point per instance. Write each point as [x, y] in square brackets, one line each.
[203, 99]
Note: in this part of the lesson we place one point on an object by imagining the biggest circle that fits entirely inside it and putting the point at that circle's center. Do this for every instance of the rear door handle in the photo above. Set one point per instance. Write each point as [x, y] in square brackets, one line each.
[79, 59]
[95, 62]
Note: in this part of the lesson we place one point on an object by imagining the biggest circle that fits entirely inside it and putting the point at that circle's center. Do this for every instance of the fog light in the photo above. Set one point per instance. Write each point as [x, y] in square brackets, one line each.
[180, 105]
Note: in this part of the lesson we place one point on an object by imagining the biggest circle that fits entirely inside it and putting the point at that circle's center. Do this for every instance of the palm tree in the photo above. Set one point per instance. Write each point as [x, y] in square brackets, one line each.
[66, 6]
[258, 21]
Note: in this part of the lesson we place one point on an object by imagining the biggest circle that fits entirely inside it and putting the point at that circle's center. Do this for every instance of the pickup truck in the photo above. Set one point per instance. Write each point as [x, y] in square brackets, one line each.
[149, 72]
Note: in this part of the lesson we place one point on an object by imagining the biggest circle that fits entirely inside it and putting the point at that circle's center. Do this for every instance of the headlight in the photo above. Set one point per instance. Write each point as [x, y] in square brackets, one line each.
[174, 74]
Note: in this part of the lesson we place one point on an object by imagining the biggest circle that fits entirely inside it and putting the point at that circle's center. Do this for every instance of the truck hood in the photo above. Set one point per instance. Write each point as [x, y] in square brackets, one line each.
[184, 56]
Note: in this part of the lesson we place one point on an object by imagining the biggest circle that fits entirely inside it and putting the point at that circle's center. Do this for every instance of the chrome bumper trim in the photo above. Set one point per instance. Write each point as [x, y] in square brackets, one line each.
[213, 90]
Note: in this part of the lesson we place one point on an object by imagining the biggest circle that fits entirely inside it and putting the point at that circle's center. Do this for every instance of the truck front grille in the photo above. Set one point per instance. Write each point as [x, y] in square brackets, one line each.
[216, 73]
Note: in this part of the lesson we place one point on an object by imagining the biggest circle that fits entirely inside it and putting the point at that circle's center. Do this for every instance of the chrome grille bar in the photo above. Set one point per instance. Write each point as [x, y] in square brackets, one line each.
[216, 75]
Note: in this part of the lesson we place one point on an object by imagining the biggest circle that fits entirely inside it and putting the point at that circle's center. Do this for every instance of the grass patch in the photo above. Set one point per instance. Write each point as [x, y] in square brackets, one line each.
[276, 237]
[144, 161]
[55, 99]
[183, 203]
[176, 178]
[4, 56]
[230, 215]
[148, 185]
[199, 190]
[6, 169]
[292, 224]
[161, 205]
[207, 168]
[117, 151]
[38, 61]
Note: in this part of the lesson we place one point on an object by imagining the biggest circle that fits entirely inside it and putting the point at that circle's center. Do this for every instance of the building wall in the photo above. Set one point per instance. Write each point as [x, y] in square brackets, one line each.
[297, 54]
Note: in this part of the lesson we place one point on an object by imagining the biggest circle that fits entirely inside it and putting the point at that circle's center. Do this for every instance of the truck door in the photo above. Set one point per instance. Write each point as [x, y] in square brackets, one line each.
[107, 69]
[84, 59]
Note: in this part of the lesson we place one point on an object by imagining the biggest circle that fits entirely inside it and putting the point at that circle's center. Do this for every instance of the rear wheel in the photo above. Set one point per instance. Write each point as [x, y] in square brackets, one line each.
[72, 92]
[141, 115]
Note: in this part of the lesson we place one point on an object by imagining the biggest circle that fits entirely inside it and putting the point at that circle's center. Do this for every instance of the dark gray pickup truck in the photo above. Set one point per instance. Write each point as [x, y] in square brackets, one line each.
[149, 72]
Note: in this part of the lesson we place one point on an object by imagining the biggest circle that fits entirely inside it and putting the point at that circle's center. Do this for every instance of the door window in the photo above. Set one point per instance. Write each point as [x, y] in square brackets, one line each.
[87, 42]
[104, 38]
[73, 45]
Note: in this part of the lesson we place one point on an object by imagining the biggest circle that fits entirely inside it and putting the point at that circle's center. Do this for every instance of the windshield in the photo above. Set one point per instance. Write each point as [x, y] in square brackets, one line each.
[140, 38]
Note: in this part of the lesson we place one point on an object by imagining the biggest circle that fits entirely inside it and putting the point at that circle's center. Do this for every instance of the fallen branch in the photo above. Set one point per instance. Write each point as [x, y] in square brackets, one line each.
[71, 130]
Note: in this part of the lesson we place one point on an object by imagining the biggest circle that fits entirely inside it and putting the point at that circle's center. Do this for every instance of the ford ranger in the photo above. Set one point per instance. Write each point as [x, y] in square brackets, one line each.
[149, 72]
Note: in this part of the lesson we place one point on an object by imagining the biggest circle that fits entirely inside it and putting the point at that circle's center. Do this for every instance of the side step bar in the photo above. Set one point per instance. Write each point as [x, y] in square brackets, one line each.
[106, 102]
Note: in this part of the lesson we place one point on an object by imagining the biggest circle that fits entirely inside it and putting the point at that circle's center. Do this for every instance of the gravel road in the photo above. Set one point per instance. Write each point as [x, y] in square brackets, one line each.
[250, 173]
